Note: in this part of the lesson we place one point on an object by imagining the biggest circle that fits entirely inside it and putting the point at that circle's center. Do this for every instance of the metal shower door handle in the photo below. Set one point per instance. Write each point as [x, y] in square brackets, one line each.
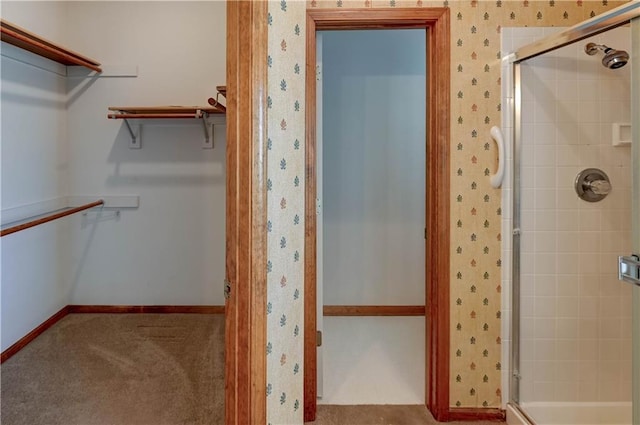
[629, 269]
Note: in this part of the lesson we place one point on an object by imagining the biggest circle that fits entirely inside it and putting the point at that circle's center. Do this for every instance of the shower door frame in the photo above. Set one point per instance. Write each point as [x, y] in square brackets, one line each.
[609, 20]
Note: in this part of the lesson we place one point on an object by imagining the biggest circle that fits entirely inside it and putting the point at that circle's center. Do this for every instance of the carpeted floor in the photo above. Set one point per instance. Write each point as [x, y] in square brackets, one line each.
[119, 369]
[379, 415]
[142, 369]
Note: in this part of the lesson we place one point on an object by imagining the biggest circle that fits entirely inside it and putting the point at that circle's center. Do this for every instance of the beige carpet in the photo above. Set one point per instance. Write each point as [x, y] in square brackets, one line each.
[379, 415]
[142, 369]
[119, 369]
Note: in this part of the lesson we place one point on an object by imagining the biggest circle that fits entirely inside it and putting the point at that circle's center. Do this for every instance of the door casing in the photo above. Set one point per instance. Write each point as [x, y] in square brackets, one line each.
[436, 23]
[246, 215]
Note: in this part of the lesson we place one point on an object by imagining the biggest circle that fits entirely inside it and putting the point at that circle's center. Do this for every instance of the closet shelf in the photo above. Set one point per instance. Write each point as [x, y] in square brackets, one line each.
[146, 112]
[31, 42]
[127, 113]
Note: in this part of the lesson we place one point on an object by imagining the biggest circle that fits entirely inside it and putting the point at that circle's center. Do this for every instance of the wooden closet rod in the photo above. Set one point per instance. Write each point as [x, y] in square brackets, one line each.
[49, 218]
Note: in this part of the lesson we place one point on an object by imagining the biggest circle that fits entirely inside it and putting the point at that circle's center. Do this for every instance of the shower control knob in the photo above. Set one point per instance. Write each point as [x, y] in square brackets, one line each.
[599, 187]
[592, 185]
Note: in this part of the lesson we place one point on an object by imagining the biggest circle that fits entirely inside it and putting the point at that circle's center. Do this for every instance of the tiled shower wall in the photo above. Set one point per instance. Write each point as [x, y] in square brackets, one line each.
[575, 314]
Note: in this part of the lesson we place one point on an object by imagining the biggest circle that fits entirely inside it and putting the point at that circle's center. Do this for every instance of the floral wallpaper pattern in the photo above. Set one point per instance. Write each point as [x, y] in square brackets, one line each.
[285, 211]
[475, 206]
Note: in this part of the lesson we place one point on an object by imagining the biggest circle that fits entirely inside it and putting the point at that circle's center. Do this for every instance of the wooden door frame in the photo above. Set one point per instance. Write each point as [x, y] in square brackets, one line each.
[246, 214]
[437, 25]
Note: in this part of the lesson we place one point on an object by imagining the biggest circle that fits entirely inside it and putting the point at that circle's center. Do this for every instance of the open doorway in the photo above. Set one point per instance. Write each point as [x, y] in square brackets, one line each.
[371, 215]
[433, 22]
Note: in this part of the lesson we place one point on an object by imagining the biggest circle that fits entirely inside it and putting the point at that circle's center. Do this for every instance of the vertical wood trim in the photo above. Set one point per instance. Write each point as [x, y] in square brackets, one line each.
[310, 390]
[438, 218]
[258, 238]
[436, 21]
[245, 388]
[231, 362]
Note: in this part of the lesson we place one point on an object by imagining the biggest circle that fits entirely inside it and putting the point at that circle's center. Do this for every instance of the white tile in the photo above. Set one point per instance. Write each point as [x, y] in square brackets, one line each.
[610, 307]
[545, 199]
[567, 112]
[590, 220]
[590, 88]
[543, 391]
[588, 356]
[588, 309]
[567, 390]
[568, 263]
[544, 350]
[610, 328]
[546, 113]
[568, 285]
[545, 241]
[568, 307]
[545, 307]
[544, 328]
[545, 156]
[568, 88]
[567, 349]
[545, 263]
[568, 155]
[588, 112]
[568, 242]
[567, 224]
[566, 327]
[590, 286]
[545, 220]
[545, 285]
[589, 262]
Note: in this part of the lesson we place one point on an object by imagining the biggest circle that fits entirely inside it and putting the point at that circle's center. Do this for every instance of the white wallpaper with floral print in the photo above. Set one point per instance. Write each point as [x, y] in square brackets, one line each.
[285, 211]
[475, 206]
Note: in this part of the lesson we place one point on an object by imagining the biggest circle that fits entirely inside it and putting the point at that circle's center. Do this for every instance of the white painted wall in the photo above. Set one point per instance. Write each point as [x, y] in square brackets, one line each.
[373, 211]
[171, 249]
[34, 168]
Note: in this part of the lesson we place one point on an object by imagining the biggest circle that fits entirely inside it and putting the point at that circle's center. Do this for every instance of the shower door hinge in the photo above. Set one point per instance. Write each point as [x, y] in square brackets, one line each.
[318, 338]
[227, 289]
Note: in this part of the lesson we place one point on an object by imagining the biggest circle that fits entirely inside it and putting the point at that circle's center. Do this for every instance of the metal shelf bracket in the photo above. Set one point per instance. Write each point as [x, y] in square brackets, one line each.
[207, 143]
[136, 139]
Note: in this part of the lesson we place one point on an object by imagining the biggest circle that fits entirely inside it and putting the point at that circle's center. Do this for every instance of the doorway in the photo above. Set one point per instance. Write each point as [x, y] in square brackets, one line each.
[370, 215]
[435, 22]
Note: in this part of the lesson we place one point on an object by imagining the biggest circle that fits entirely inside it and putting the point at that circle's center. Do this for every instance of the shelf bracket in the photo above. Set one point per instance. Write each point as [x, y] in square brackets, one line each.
[207, 143]
[136, 140]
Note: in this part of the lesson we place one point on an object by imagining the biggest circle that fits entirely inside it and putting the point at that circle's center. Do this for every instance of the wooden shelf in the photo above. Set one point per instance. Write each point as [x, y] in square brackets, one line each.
[31, 42]
[158, 112]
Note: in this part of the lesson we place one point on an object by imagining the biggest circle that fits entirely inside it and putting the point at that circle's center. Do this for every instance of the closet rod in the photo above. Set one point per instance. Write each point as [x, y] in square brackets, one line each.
[49, 218]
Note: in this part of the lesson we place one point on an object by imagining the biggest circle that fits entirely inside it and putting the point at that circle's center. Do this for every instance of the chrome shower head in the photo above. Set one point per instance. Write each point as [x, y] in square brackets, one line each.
[612, 59]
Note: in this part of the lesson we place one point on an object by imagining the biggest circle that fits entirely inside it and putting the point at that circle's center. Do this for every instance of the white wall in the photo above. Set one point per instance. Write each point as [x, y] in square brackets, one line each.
[373, 212]
[575, 314]
[374, 166]
[171, 249]
[34, 168]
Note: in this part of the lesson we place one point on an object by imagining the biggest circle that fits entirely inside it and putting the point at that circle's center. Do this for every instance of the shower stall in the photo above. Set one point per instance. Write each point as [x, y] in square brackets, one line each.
[571, 118]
